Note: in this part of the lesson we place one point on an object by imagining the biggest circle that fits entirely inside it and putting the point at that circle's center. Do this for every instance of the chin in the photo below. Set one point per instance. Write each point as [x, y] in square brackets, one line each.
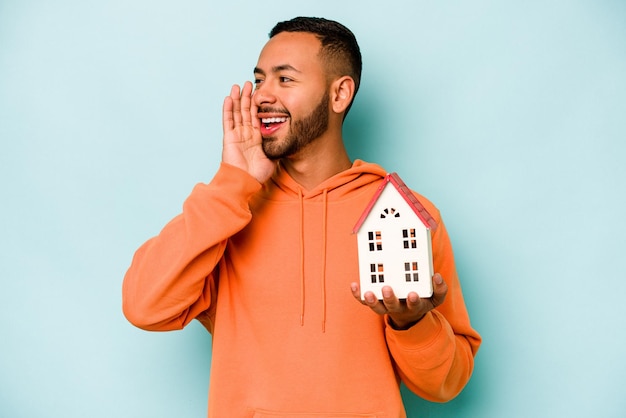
[269, 148]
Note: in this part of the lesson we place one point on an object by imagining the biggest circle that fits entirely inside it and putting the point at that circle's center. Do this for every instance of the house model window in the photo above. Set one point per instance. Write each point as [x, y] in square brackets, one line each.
[375, 241]
[377, 275]
[409, 238]
[394, 249]
[411, 271]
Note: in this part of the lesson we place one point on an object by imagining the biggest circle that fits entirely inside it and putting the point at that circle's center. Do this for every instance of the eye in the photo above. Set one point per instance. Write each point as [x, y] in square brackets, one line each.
[284, 79]
[257, 82]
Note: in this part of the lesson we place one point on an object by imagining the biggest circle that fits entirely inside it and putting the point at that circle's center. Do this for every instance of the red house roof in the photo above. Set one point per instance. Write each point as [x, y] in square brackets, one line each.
[406, 193]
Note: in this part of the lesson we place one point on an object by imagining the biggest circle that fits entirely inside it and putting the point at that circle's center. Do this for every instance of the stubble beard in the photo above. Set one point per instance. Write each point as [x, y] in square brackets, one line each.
[301, 133]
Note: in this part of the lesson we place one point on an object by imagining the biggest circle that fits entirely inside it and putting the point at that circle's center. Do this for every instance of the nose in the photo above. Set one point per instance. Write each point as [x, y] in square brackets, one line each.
[263, 95]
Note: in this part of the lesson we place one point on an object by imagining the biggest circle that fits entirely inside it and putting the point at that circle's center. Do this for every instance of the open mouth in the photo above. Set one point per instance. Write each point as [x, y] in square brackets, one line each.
[271, 125]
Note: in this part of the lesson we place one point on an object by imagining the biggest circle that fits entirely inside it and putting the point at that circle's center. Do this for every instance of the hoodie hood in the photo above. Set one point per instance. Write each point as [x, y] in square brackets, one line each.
[360, 174]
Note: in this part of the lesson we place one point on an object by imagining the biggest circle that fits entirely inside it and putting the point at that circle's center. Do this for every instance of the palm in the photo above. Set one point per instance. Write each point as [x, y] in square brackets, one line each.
[242, 137]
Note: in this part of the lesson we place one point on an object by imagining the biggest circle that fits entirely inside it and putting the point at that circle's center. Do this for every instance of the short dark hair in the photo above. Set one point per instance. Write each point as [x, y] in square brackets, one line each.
[340, 49]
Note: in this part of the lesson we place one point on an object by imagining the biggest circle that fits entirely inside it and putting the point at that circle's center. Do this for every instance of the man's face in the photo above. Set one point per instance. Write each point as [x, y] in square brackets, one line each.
[291, 94]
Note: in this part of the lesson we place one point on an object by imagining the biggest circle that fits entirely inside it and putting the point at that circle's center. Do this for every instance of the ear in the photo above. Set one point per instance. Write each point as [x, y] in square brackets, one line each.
[342, 93]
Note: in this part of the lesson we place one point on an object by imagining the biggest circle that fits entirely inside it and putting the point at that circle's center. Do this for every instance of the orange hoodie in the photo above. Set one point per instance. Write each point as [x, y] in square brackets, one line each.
[267, 270]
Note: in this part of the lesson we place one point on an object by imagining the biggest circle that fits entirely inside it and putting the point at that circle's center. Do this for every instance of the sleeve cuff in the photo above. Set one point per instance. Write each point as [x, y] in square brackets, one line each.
[419, 335]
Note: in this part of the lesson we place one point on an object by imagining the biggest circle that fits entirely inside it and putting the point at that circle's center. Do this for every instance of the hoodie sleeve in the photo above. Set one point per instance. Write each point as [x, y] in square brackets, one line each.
[171, 279]
[435, 357]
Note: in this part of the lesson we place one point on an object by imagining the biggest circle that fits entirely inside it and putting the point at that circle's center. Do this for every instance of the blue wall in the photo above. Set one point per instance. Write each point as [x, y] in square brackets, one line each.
[508, 115]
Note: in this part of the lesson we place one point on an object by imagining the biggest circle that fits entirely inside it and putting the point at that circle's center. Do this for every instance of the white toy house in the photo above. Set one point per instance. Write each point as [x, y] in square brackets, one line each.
[393, 236]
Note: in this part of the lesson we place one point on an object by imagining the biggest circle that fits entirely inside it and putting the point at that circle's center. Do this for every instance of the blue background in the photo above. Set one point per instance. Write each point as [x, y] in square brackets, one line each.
[510, 116]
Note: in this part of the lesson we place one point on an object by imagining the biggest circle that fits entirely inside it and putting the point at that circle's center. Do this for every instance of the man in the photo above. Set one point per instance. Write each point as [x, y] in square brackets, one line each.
[264, 257]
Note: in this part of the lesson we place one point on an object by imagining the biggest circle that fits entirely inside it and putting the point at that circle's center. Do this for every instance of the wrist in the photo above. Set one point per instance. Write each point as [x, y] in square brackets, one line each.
[402, 325]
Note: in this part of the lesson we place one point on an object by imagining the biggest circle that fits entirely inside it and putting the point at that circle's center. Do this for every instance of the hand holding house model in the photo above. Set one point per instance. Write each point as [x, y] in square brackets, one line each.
[394, 242]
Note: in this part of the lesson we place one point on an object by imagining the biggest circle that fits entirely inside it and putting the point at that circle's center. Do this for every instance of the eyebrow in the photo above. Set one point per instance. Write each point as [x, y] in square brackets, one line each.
[276, 69]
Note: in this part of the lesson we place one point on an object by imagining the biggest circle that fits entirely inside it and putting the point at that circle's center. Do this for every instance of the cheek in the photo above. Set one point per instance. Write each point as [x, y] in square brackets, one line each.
[303, 105]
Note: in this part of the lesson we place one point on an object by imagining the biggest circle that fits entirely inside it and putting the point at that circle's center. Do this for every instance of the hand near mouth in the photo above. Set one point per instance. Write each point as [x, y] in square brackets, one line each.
[242, 146]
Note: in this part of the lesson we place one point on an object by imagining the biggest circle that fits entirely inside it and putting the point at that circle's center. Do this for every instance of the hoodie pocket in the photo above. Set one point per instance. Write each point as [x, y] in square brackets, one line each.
[272, 414]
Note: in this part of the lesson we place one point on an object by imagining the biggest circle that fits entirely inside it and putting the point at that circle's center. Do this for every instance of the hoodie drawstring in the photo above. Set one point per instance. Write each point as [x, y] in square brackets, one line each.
[324, 249]
[324, 238]
[301, 198]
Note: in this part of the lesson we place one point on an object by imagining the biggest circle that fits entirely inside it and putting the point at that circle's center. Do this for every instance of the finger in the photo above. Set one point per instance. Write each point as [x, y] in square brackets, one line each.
[355, 289]
[413, 301]
[235, 95]
[392, 303]
[356, 292]
[227, 115]
[254, 109]
[372, 301]
[440, 290]
[246, 95]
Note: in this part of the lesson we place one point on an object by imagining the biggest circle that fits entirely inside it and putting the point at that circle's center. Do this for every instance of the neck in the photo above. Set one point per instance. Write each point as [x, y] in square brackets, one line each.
[322, 159]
